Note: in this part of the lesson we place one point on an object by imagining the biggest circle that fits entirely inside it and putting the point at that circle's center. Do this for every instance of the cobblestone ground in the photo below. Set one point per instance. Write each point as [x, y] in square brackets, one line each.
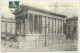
[72, 46]
[57, 47]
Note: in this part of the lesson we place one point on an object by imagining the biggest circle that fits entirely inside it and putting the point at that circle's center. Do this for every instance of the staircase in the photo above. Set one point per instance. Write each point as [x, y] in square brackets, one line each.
[72, 47]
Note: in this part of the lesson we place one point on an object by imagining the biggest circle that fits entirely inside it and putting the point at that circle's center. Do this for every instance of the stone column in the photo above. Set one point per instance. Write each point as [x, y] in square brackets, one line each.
[20, 25]
[33, 23]
[46, 25]
[62, 26]
[16, 25]
[59, 26]
[28, 23]
[52, 25]
[55, 26]
[25, 24]
[43, 25]
[38, 24]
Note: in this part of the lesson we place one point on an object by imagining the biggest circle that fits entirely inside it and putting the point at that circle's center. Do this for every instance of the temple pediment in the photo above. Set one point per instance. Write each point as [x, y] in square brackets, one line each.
[24, 9]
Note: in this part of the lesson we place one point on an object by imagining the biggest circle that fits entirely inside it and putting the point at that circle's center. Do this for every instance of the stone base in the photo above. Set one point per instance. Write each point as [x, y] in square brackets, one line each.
[52, 39]
[39, 40]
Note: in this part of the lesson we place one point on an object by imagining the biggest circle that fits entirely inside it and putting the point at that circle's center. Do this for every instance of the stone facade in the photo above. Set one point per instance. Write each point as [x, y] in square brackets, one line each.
[72, 27]
[39, 26]
[7, 26]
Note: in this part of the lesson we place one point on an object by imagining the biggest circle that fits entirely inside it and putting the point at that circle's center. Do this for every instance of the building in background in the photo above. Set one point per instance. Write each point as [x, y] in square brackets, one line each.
[72, 27]
[7, 26]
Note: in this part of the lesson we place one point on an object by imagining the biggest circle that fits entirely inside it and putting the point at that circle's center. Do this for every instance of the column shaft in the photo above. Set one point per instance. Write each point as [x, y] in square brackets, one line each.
[33, 23]
[55, 26]
[62, 26]
[28, 23]
[59, 26]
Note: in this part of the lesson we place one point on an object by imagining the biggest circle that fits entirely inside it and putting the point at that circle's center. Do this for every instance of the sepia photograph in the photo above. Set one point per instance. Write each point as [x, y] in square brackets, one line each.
[39, 26]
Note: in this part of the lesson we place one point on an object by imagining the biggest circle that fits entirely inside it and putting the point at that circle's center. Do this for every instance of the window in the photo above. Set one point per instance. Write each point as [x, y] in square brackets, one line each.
[2, 19]
[13, 28]
[3, 26]
[9, 27]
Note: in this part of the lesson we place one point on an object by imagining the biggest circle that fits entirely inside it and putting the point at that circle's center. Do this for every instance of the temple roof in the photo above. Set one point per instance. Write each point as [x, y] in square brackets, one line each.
[41, 10]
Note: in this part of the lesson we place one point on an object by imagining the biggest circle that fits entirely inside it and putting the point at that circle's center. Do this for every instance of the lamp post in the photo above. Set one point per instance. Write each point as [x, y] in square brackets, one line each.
[45, 30]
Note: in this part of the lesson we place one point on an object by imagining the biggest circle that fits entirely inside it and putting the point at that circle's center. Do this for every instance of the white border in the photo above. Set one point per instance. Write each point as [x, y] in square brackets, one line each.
[44, 0]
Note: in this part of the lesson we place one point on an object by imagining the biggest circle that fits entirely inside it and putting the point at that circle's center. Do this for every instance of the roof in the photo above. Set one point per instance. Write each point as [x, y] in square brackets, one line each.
[41, 10]
[72, 18]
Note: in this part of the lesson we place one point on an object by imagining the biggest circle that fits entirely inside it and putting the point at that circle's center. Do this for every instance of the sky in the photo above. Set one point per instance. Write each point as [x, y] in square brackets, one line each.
[68, 8]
